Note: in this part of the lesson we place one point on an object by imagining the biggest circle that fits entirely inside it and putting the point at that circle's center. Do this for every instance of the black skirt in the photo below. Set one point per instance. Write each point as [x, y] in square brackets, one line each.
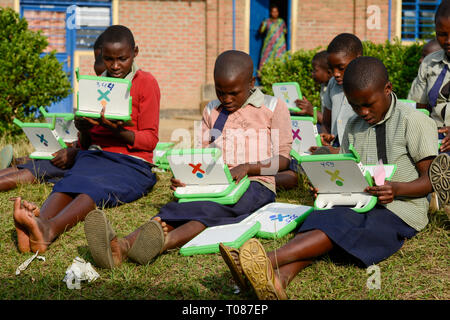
[214, 214]
[109, 178]
[370, 237]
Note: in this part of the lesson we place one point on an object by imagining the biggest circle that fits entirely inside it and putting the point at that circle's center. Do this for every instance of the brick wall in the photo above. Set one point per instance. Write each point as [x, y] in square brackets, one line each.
[319, 22]
[7, 3]
[179, 40]
[171, 40]
[86, 64]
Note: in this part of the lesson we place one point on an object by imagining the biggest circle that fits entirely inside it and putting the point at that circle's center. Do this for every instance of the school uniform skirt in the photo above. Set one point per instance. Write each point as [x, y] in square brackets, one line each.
[43, 170]
[212, 213]
[109, 178]
[369, 237]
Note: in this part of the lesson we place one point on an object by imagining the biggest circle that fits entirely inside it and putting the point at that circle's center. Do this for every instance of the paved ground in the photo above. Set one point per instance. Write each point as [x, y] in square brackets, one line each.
[168, 126]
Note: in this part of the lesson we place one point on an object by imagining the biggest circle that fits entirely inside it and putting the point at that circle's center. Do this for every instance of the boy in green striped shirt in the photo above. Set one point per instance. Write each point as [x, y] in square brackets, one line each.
[382, 128]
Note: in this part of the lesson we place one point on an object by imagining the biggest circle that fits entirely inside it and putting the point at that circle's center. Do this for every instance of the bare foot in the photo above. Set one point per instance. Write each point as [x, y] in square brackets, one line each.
[164, 225]
[28, 227]
[119, 250]
[280, 285]
[23, 239]
[166, 229]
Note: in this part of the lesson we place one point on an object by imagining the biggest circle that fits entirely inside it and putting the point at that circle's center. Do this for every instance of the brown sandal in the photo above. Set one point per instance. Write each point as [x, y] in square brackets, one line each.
[231, 257]
[259, 271]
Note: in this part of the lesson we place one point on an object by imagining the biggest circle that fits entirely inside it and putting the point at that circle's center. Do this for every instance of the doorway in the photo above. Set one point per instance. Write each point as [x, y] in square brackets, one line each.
[259, 11]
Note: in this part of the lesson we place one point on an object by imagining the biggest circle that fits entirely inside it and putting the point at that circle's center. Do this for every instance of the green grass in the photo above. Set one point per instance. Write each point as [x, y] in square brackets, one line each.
[420, 270]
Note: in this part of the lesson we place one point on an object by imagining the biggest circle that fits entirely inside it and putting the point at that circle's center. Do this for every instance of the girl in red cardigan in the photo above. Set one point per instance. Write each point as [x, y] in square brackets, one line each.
[114, 163]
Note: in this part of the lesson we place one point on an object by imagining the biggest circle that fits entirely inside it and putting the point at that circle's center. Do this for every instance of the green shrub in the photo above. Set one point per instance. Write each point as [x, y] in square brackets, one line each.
[401, 61]
[28, 78]
[292, 67]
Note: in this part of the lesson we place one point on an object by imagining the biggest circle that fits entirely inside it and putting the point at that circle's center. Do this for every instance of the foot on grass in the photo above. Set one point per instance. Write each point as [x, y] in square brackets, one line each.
[30, 230]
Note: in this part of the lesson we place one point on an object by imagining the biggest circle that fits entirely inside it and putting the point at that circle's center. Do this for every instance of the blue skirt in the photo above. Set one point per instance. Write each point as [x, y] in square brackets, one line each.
[369, 237]
[109, 178]
[43, 170]
[214, 214]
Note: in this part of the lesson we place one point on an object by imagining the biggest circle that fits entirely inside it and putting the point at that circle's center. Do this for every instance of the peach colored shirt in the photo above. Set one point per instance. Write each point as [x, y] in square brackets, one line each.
[259, 130]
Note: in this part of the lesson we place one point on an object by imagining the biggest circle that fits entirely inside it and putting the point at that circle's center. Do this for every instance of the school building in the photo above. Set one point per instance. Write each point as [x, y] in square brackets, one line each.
[179, 39]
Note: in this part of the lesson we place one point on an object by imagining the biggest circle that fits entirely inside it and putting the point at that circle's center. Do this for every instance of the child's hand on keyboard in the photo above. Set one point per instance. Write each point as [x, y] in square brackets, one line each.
[176, 183]
[239, 172]
[385, 193]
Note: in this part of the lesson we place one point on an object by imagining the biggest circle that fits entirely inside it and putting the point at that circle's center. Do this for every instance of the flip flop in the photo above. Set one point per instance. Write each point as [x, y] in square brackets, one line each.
[99, 234]
[439, 173]
[259, 271]
[148, 244]
[231, 257]
[6, 156]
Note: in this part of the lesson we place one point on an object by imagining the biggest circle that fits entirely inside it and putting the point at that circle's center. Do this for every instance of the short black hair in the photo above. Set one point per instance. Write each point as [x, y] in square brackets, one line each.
[443, 10]
[365, 72]
[231, 64]
[321, 59]
[98, 42]
[118, 33]
[347, 43]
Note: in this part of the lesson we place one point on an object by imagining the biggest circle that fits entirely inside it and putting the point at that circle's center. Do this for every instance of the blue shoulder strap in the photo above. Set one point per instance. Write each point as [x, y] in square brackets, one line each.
[219, 124]
[433, 94]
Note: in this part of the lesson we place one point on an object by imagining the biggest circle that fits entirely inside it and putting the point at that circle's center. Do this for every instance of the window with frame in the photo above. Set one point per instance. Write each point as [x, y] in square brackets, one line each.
[418, 19]
[88, 17]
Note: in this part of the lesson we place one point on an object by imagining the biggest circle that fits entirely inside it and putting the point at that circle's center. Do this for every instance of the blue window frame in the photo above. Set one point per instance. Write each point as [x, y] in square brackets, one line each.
[418, 19]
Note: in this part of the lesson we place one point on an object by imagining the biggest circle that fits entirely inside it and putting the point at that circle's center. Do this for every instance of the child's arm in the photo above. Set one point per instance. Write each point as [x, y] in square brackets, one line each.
[326, 120]
[307, 109]
[417, 188]
[116, 127]
[271, 167]
[281, 144]
[65, 158]
[445, 144]
[84, 136]
[175, 183]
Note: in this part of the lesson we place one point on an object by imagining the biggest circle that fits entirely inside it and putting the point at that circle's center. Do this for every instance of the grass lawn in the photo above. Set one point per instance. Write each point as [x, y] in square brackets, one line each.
[420, 270]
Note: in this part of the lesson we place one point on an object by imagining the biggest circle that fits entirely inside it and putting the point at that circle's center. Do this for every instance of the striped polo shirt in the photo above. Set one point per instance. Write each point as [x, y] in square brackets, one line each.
[429, 71]
[259, 130]
[411, 136]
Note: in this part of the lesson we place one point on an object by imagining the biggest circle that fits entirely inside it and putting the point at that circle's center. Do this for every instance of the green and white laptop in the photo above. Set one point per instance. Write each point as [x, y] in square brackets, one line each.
[94, 93]
[205, 175]
[43, 137]
[65, 125]
[304, 134]
[341, 180]
[278, 219]
[413, 105]
[288, 92]
[232, 235]
[160, 154]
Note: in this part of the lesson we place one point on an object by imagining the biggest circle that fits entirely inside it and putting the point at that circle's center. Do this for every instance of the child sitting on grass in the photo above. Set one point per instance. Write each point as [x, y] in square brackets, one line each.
[114, 165]
[321, 74]
[288, 179]
[240, 108]
[383, 128]
[344, 48]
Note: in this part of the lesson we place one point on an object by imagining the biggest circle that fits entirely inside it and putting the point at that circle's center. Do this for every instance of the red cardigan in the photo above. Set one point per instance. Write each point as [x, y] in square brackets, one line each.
[145, 117]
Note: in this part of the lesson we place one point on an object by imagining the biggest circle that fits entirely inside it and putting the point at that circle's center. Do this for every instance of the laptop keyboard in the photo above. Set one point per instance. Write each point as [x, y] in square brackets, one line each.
[201, 189]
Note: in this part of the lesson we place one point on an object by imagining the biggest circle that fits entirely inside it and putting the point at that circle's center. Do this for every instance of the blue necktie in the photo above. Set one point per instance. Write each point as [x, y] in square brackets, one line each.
[433, 94]
[219, 124]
